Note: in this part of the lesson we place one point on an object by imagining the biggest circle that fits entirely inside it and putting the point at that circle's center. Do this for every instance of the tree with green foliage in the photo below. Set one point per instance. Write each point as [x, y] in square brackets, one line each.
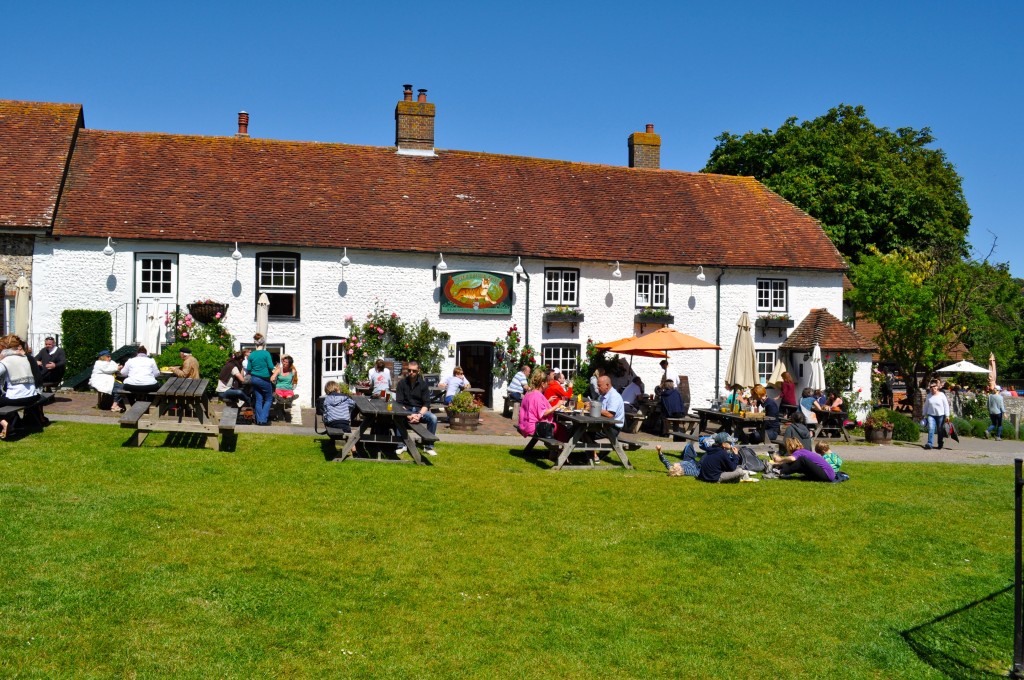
[925, 305]
[867, 185]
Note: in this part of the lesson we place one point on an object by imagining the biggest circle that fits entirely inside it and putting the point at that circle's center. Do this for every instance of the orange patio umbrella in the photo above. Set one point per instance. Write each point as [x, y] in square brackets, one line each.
[615, 344]
[666, 340]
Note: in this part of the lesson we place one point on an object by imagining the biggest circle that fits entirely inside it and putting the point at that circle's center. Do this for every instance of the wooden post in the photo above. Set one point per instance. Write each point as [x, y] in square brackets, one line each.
[1018, 596]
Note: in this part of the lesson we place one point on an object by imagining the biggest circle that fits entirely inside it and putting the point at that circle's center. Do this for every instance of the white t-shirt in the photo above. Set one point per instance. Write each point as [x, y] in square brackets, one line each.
[380, 381]
[140, 370]
[455, 385]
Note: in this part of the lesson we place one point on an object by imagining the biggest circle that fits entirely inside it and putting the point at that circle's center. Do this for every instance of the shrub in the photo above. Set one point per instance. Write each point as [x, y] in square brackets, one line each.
[211, 359]
[962, 425]
[975, 408]
[978, 427]
[904, 429]
[84, 332]
[464, 402]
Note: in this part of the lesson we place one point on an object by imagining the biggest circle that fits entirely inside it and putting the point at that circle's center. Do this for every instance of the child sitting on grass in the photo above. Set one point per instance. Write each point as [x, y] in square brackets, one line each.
[337, 407]
[825, 451]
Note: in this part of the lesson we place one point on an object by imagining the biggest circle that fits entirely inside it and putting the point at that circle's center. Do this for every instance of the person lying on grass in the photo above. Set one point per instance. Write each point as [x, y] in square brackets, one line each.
[721, 464]
[801, 461]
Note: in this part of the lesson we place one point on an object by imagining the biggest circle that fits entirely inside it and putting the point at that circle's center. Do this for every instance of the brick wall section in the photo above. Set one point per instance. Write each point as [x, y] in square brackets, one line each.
[644, 150]
[15, 257]
[414, 125]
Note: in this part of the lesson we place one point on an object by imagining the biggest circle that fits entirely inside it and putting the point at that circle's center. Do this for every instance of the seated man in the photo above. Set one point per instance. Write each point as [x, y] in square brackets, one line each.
[414, 394]
[189, 365]
[672, 405]
[52, 361]
[632, 393]
[517, 388]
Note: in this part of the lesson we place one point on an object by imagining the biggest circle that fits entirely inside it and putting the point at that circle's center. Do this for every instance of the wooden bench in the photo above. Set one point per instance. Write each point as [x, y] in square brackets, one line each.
[633, 422]
[228, 420]
[130, 419]
[629, 443]
[11, 411]
[425, 435]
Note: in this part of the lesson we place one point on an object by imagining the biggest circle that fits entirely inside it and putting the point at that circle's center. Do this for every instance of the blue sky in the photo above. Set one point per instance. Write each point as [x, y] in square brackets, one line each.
[567, 80]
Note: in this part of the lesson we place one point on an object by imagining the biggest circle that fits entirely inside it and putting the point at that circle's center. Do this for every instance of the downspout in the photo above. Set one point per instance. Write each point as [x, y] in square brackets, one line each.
[526, 332]
[718, 330]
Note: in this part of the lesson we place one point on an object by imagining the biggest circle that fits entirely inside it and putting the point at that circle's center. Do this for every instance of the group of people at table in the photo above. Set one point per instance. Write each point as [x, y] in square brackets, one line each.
[249, 377]
[23, 376]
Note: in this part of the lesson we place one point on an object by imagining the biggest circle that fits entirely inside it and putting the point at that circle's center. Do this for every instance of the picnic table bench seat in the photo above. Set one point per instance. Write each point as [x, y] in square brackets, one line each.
[425, 435]
[13, 410]
[130, 418]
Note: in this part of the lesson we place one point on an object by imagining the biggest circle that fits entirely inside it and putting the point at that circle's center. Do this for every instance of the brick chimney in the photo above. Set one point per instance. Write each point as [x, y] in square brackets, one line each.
[645, 149]
[414, 124]
[243, 124]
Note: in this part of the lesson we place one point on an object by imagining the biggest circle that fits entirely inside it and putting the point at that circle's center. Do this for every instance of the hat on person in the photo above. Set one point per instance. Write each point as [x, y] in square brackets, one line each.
[725, 437]
[103, 353]
[185, 350]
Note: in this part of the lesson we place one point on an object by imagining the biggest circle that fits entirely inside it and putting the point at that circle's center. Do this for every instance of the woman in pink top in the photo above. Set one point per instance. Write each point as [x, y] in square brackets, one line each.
[536, 409]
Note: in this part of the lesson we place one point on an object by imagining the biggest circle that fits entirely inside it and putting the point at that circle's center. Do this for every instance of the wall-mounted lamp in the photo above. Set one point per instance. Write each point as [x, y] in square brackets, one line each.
[109, 249]
[344, 258]
[451, 351]
[440, 266]
[700, 274]
[618, 272]
[237, 254]
[519, 271]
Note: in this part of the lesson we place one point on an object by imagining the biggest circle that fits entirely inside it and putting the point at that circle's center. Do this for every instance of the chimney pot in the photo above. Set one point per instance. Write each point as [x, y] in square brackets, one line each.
[414, 124]
[422, 96]
[243, 124]
[407, 96]
[645, 149]
[650, 127]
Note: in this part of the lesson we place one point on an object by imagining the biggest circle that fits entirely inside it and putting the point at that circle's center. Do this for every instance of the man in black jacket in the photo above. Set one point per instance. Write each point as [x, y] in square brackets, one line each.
[414, 394]
[51, 360]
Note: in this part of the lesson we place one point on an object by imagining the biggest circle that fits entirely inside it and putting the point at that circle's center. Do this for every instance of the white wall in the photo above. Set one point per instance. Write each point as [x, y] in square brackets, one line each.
[73, 273]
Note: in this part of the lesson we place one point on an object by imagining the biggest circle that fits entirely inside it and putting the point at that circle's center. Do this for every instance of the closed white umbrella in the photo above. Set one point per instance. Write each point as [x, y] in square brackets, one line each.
[263, 315]
[154, 334]
[21, 302]
[992, 371]
[742, 369]
[776, 376]
[817, 377]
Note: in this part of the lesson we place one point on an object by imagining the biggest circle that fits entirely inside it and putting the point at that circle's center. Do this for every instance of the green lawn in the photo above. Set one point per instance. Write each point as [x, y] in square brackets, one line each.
[269, 561]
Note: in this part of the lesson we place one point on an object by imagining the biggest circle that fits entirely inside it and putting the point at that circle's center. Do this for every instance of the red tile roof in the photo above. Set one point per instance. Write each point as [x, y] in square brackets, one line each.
[832, 335]
[267, 192]
[35, 140]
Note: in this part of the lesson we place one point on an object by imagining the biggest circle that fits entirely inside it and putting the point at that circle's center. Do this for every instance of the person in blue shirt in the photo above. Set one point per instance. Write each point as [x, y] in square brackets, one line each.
[517, 388]
[612, 405]
[337, 407]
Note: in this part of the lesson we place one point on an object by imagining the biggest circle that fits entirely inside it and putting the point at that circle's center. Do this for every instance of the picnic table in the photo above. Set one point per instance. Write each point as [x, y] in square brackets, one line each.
[731, 422]
[378, 425]
[831, 423]
[584, 431]
[181, 405]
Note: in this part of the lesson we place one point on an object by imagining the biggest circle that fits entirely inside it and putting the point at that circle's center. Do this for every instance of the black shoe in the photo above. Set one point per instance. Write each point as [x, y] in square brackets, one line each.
[927, 447]
[939, 447]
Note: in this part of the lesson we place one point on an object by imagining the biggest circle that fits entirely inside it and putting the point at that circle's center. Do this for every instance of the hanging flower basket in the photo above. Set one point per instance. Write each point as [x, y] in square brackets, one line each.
[207, 312]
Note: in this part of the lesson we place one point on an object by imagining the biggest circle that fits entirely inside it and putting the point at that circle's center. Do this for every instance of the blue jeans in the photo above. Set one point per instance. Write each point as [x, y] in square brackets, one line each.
[430, 420]
[997, 424]
[237, 395]
[264, 390]
[936, 424]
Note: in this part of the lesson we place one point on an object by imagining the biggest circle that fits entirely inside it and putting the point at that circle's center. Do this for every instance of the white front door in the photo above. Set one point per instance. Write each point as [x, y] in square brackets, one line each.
[333, 362]
[156, 294]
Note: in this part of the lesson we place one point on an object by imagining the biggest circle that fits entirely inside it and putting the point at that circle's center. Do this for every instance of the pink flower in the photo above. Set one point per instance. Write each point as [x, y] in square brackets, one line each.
[217, 316]
[350, 352]
[394, 315]
[859, 390]
[348, 317]
[380, 331]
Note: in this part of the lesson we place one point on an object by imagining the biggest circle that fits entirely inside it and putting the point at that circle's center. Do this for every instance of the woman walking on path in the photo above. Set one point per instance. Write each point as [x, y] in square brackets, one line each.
[996, 409]
[936, 410]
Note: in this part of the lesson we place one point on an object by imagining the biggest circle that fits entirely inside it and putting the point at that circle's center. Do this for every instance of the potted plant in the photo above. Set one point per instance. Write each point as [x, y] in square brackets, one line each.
[653, 315]
[877, 428]
[207, 311]
[464, 412]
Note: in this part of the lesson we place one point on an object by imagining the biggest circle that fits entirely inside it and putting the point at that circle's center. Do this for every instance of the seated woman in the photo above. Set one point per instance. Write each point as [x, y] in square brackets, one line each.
[337, 407]
[18, 380]
[557, 391]
[536, 409]
[454, 384]
[103, 379]
[285, 378]
[809, 406]
[804, 462]
[797, 429]
[834, 401]
[231, 380]
[140, 373]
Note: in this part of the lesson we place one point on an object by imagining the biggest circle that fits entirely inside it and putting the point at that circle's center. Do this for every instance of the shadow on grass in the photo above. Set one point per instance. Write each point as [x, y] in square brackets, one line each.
[538, 457]
[973, 641]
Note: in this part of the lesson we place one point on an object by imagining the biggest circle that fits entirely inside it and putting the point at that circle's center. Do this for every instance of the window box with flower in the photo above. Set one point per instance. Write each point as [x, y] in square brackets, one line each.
[653, 315]
[776, 321]
[563, 314]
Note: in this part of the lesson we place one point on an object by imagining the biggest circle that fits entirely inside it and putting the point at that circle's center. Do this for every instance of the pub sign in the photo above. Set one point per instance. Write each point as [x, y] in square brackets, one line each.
[476, 293]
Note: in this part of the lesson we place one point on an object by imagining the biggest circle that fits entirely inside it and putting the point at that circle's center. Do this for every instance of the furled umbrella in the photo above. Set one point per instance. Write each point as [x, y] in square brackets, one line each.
[741, 372]
[992, 382]
[776, 377]
[154, 334]
[21, 311]
[263, 315]
[817, 378]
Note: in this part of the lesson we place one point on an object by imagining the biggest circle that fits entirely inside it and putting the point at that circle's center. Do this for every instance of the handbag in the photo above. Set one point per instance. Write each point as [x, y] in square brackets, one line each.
[545, 430]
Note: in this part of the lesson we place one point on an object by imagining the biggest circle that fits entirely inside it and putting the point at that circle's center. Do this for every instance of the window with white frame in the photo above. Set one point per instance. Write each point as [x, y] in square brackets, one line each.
[652, 289]
[561, 287]
[765, 365]
[277, 275]
[563, 357]
[771, 295]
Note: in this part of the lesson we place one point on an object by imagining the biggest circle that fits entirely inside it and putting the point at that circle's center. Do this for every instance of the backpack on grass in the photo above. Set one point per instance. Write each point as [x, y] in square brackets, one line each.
[749, 460]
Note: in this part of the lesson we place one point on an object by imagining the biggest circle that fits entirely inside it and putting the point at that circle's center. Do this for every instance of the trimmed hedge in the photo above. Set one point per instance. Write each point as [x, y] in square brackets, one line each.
[211, 359]
[84, 332]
